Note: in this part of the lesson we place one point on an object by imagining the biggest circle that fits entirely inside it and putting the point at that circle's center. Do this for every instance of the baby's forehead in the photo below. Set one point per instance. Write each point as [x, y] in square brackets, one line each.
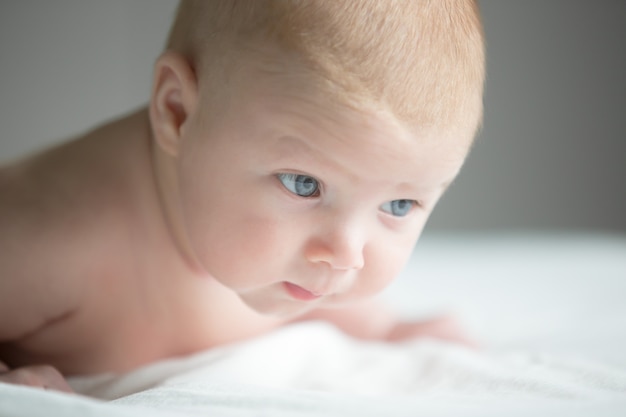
[302, 98]
[324, 123]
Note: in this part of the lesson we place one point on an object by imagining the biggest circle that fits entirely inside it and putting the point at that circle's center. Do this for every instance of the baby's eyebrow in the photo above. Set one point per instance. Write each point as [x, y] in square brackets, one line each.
[288, 146]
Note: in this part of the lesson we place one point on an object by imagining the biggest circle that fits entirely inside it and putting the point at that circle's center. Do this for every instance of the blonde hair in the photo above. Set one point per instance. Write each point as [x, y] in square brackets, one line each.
[422, 60]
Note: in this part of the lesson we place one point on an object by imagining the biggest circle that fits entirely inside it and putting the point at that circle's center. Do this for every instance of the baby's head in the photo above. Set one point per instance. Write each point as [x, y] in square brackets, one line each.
[422, 61]
[302, 145]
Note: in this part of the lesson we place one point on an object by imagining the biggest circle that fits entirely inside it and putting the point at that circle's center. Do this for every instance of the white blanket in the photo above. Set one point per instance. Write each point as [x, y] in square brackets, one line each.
[551, 311]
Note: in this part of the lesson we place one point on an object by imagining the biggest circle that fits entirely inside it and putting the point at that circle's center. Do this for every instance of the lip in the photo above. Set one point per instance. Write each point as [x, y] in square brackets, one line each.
[300, 293]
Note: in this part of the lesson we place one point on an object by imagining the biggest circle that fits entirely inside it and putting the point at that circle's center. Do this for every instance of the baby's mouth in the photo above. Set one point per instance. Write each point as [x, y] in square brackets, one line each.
[299, 293]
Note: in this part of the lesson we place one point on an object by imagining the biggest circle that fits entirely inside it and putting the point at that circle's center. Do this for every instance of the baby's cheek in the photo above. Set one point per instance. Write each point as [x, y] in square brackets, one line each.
[247, 251]
[384, 266]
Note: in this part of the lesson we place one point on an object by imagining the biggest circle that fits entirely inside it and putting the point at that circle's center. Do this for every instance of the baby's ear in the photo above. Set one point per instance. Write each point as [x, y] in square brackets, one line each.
[173, 101]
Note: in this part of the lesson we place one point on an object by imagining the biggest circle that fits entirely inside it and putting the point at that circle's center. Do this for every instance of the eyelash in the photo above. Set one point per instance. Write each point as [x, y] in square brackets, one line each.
[394, 204]
[294, 183]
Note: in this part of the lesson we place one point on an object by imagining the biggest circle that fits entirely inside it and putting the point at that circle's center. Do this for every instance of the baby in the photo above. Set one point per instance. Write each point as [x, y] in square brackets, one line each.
[287, 161]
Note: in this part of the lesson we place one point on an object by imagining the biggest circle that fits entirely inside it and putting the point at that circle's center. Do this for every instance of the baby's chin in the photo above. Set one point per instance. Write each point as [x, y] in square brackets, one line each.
[280, 309]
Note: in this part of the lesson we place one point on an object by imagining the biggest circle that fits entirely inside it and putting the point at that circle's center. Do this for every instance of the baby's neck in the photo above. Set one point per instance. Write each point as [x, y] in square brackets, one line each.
[152, 184]
[167, 184]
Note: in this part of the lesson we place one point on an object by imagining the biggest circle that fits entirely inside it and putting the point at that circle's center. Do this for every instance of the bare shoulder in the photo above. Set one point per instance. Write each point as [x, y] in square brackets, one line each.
[58, 213]
[71, 238]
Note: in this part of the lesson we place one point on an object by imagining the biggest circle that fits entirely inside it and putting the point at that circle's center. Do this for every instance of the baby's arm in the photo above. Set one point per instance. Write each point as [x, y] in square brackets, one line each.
[29, 297]
[22, 311]
[374, 320]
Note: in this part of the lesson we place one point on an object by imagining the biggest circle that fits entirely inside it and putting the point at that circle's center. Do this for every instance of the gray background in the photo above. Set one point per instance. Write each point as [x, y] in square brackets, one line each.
[552, 154]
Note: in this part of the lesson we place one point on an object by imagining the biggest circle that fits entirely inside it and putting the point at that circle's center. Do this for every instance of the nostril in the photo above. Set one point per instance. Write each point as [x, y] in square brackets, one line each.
[355, 264]
[340, 252]
[352, 262]
[337, 261]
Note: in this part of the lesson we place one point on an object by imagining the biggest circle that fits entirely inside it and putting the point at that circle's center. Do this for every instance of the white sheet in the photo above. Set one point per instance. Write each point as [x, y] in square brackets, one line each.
[551, 311]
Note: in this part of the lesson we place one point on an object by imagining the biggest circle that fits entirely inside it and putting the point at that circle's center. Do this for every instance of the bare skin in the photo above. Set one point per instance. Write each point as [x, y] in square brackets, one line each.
[108, 291]
[106, 262]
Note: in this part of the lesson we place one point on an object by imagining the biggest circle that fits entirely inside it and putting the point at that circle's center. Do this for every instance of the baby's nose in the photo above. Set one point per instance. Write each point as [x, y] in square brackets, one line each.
[341, 249]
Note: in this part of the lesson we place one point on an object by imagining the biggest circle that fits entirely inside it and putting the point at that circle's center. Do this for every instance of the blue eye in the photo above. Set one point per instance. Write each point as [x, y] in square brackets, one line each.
[398, 208]
[300, 185]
